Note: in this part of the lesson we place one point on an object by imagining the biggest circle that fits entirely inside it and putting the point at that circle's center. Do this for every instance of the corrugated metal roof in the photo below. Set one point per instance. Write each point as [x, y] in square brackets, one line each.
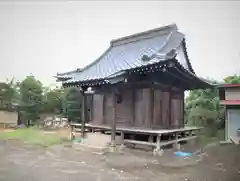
[230, 102]
[126, 53]
[228, 85]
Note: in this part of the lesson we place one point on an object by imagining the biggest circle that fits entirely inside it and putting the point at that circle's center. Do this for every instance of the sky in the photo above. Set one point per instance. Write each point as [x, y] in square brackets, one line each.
[46, 37]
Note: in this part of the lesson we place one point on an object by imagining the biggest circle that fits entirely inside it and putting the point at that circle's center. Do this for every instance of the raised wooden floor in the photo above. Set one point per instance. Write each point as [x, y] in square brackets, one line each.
[176, 135]
[138, 130]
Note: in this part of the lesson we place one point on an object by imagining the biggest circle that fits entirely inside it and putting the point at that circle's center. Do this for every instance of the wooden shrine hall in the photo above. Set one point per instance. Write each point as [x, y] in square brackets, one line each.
[137, 85]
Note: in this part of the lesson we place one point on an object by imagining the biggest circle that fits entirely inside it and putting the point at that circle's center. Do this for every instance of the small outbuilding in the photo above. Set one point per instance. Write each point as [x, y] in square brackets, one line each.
[230, 97]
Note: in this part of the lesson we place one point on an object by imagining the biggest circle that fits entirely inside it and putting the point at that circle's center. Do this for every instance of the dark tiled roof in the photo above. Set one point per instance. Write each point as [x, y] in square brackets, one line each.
[127, 53]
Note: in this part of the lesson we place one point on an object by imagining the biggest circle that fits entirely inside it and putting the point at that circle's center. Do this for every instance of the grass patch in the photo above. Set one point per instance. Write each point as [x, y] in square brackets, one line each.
[206, 139]
[32, 136]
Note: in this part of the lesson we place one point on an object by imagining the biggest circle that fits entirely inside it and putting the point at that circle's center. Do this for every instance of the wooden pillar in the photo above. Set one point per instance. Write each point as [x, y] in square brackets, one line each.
[170, 109]
[158, 151]
[72, 134]
[226, 122]
[151, 106]
[19, 122]
[122, 138]
[183, 109]
[133, 107]
[177, 144]
[158, 142]
[113, 132]
[83, 113]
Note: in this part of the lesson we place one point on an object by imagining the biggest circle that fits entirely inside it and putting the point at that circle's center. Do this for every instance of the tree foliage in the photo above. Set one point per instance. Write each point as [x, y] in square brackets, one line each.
[8, 94]
[202, 107]
[72, 104]
[52, 102]
[234, 79]
[30, 98]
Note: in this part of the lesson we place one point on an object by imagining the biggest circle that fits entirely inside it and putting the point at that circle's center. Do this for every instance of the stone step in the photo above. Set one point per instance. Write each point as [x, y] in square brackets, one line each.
[95, 143]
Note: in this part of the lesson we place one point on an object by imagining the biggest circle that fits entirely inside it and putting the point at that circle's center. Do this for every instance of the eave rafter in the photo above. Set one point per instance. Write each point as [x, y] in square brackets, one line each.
[169, 70]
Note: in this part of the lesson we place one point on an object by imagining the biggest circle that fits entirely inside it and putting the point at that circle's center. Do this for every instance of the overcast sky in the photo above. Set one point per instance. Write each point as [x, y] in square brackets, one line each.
[47, 37]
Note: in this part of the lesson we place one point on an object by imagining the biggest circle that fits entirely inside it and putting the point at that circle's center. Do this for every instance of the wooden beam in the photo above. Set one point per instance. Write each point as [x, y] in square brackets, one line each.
[140, 142]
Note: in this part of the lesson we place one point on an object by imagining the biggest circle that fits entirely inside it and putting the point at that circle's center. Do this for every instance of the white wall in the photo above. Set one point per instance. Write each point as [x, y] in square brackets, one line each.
[232, 94]
[233, 123]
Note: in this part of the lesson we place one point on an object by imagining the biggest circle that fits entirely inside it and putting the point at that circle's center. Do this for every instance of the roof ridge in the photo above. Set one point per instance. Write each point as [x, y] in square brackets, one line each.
[69, 72]
[143, 35]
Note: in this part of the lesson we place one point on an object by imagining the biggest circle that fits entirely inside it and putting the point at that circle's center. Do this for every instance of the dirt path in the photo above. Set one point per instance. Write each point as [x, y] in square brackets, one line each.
[18, 162]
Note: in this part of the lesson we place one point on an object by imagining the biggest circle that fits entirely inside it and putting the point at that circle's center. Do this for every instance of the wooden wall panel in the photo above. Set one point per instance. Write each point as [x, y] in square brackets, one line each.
[157, 109]
[146, 107]
[165, 109]
[97, 109]
[124, 109]
[177, 108]
[139, 121]
[89, 115]
[108, 109]
[176, 116]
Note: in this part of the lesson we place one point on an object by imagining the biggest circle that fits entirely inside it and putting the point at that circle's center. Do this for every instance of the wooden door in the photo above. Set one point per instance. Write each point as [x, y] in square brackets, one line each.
[233, 124]
[138, 107]
[157, 109]
[124, 109]
[97, 109]
[165, 110]
[176, 113]
[108, 109]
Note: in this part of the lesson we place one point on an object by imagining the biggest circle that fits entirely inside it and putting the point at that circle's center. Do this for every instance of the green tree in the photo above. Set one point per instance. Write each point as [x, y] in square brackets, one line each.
[8, 94]
[30, 99]
[5, 95]
[202, 108]
[53, 101]
[72, 104]
[234, 79]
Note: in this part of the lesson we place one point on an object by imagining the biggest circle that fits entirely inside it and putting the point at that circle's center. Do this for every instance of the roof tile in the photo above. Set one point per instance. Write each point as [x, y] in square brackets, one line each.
[126, 53]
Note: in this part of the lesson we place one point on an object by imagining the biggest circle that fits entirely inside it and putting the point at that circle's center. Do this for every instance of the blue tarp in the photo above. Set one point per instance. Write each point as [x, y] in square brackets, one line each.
[182, 154]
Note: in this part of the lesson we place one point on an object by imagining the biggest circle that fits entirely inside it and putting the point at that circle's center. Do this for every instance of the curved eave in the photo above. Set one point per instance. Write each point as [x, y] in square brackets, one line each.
[76, 83]
[186, 55]
[61, 78]
[197, 82]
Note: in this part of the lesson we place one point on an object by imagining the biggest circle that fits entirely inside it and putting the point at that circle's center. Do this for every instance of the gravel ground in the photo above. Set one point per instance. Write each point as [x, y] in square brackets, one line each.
[28, 163]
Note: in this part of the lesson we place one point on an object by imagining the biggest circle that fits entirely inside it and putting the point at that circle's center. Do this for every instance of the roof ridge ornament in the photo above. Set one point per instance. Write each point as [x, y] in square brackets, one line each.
[161, 56]
[145, 58]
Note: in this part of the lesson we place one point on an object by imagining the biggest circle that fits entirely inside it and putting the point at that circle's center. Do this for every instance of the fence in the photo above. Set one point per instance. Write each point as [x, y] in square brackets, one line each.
[7, 118]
